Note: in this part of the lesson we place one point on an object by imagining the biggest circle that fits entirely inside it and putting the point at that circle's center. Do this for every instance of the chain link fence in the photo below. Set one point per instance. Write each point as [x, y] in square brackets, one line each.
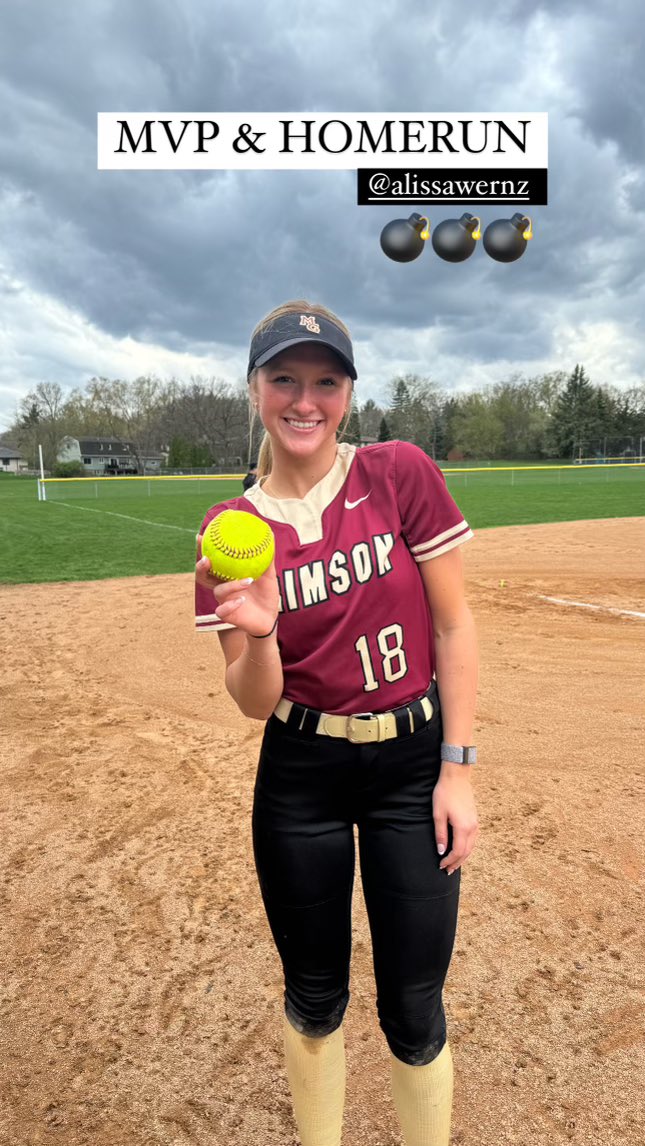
[605, 450]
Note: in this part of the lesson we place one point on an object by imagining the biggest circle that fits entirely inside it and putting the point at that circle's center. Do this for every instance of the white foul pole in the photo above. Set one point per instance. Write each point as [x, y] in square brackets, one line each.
[41, 484]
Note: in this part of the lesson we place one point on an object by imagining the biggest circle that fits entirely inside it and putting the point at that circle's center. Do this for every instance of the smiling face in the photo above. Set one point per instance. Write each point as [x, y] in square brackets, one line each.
[302, 395]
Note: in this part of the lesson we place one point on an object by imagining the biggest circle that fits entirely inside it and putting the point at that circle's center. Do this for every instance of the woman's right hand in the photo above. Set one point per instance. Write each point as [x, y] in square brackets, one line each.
[252, 608]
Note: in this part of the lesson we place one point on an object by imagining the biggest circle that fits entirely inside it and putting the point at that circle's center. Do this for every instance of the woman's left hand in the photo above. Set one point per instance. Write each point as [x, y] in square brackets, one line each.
[453, 802]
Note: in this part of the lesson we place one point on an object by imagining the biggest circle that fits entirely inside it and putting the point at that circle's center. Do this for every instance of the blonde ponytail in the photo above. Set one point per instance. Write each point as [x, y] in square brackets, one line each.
[265, 456]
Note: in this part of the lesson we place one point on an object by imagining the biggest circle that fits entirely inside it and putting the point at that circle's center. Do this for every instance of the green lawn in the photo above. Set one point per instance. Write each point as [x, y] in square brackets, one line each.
[521, 497]
[93, 530]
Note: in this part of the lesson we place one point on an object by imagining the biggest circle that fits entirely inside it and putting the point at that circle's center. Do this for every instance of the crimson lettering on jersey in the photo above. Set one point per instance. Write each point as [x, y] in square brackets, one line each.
[355, 631]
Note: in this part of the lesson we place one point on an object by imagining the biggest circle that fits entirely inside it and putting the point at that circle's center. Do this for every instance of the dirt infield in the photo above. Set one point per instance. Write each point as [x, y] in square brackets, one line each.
[141, 996]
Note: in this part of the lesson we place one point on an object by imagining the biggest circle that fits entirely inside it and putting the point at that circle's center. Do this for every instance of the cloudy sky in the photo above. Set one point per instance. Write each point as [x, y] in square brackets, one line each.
[121, 273]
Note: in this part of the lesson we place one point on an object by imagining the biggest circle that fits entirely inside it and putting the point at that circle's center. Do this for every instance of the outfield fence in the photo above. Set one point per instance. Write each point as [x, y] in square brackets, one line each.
[88, 487]
[94, 488]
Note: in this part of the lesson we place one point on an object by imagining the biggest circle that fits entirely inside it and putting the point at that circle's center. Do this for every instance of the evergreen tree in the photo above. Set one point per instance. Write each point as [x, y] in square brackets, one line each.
[383, 431]
[573, 420]
[445, 428]
[353, 431]
[31, 416]
[179, 454]
[29, 430]
[370, 415]
[199, 456]
[401, 398]
[605, 423]
[400, 415]
[630, 417]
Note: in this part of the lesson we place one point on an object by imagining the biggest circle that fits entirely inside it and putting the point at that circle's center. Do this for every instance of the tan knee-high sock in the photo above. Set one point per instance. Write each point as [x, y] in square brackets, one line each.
[316, 1075]
[423, 1099]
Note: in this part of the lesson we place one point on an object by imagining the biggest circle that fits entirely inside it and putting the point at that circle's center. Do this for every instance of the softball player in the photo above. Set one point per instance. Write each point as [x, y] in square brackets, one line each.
[359, 651]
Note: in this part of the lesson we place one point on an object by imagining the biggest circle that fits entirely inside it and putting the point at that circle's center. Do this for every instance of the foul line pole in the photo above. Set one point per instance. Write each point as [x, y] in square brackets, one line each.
[42, 496]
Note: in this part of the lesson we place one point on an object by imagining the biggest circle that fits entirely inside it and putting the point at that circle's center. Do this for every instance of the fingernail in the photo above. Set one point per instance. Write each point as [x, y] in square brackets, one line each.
[247, 581]
[441, 848]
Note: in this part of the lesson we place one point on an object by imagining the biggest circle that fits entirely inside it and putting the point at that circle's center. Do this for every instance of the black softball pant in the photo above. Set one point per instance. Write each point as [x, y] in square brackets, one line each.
[309, 792]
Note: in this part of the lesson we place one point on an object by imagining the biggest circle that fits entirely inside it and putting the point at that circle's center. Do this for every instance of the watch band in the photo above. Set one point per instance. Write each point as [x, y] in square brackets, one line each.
[459, 753]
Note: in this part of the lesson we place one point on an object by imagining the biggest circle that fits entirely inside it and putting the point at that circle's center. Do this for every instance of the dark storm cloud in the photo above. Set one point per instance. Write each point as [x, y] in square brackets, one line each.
[602, 47]
[149, 253]
[188, 260]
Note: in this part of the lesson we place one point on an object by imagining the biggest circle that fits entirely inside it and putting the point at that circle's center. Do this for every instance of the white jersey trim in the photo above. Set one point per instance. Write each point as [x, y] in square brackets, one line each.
[424, 545]
[444, 548]
[305, 514]
[209, 622]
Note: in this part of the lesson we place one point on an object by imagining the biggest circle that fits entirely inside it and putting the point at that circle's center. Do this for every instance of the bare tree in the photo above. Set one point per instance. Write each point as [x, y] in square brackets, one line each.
[415, 410]
[41, 420]
[131, 410]
[212, 414]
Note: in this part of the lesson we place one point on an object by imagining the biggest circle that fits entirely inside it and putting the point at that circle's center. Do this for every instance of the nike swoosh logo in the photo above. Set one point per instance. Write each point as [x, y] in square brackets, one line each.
[353, 504]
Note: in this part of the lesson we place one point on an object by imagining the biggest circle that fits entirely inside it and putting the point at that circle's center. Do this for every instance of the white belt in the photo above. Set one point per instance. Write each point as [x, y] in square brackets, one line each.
[361, 727]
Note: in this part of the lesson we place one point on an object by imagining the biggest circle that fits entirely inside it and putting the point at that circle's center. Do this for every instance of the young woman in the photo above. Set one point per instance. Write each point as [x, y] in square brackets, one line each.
[358, 649]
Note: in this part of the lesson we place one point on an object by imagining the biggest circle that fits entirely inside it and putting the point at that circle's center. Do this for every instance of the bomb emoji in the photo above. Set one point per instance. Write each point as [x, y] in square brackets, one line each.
[403, 239]
[455, 239]
[505, 239]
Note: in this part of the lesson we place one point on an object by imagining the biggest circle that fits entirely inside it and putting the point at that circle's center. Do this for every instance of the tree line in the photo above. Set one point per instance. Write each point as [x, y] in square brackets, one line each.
[205, 422]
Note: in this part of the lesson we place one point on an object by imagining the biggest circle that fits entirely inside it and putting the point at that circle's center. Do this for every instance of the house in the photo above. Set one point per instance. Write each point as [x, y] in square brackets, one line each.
[103, 456]
[11, 461]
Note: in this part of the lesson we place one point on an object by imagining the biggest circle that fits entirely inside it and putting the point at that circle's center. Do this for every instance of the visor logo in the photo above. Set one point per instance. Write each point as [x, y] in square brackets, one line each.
[310, 322]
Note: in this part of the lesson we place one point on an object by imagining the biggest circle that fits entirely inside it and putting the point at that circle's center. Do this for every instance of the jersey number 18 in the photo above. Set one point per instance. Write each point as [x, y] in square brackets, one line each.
[394, 663]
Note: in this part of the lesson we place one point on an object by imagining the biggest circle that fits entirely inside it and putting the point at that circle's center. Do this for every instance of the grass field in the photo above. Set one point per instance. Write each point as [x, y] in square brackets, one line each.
[94, 530]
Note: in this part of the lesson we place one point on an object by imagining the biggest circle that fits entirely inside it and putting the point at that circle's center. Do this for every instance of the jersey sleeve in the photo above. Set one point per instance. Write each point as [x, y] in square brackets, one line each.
[205, 603]
[432, 522]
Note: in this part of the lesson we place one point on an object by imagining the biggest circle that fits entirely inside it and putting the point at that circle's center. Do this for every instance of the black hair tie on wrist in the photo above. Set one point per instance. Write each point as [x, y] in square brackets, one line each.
[263, 636]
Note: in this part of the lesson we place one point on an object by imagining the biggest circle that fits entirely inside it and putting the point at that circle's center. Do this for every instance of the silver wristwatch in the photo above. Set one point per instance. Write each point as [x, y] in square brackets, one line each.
[459, 753]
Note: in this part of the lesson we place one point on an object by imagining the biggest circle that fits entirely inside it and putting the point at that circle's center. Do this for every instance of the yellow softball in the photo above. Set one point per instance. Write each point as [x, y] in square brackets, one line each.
[238, 545]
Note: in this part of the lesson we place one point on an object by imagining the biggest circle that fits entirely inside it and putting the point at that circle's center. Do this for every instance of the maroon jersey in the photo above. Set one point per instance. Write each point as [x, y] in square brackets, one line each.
[355, 630]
